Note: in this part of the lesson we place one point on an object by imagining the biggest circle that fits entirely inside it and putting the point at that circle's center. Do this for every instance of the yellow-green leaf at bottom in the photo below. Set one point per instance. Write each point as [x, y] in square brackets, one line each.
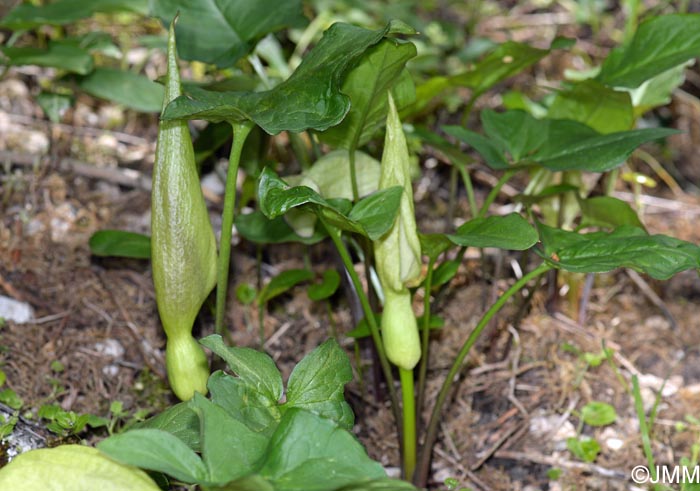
[72, 468]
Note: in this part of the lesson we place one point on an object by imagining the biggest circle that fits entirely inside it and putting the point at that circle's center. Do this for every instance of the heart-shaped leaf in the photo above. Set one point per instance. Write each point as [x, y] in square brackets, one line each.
[310, 98]
[224, 31]
[381, 68]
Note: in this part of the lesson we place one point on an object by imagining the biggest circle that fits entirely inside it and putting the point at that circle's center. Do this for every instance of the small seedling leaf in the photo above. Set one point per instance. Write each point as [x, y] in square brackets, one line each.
[584, 448]
[598, 413]
[504, 232]
[120, 243]
[156, 450]
[54, 105]
[10, 398]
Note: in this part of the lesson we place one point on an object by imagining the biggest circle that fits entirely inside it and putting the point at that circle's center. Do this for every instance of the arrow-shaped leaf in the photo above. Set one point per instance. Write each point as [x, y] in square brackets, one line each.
[310, 98]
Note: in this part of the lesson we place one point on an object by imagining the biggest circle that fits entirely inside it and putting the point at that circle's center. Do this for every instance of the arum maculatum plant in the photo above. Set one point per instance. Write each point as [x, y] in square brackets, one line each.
[183, 246]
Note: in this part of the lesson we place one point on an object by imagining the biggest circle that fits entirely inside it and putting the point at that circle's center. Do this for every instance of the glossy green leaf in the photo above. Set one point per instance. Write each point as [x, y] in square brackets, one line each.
[224, 31]
[504, 232]
[283, 282]
[254, 368]
[126, 88]
[57, 55]
[556, 144]
[595, 105]
[71, 468]
[120, 243]
[178, 420]
[156, 450]
[54, 105]
[606, 211]
[309, 99]
[257, 228]
[381, 68]
[659, 44]
[596, 413]
[327, 287]
[658, 256]
[317, 384]
[311, 453]
[371, 216]
[27, 15]
[584, 448]
[230, 450]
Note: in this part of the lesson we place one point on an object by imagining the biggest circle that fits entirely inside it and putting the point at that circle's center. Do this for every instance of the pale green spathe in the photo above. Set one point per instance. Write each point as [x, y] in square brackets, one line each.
[72, 468]
[183, 246]
[397, 253]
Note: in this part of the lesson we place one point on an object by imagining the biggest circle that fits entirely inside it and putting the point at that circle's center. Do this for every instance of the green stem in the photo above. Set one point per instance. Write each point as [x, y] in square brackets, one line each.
[240, 133]
[409, 423]
[425, 335]
[643, 428]
[494, 192]
[423, 467]
[369, 316]
[471, 197]
[353, 175]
